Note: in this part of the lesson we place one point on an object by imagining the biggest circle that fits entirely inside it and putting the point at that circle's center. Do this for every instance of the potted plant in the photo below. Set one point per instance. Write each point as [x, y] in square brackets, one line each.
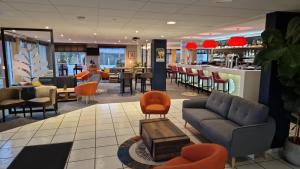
[285, 51]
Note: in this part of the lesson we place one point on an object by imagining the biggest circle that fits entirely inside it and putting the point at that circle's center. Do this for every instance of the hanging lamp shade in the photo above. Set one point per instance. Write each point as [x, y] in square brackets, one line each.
[237, 41]
[191, 45]
[209, 44]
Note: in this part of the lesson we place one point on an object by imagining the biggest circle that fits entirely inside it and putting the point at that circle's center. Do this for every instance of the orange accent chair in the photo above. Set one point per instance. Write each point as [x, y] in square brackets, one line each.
[86, 90]
[196, 156]
[82, 76]
[155, 102]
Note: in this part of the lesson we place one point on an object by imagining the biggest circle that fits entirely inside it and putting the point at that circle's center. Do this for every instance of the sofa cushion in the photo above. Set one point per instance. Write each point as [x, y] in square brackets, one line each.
[245, 112]
[218, 130]
[197, 115]
[219, 102]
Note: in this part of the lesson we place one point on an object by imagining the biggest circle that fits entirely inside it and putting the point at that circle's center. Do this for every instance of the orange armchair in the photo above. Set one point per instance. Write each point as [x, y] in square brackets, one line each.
[155, 102]
[104, 75]
[83, 75]
[86, 89]
[206, 156]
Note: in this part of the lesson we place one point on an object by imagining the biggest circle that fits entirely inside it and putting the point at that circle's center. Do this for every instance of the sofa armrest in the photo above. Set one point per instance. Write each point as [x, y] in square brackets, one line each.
[194, 103]
[52, 95]
[252, 139]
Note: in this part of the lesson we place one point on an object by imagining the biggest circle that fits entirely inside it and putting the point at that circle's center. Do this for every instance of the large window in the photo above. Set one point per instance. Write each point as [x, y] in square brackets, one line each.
[70, 59]
[178, 53]
[112, 57]
[202, 56]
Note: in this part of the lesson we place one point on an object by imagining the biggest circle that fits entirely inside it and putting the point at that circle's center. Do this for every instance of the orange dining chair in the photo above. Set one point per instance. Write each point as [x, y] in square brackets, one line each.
[196, 156]
[82, 76]
[86, 90]
[155, 102]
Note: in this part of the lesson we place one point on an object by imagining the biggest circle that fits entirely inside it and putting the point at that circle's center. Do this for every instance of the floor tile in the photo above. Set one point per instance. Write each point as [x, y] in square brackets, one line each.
[40, 140]
[82, 154]
[123, 138]
[85, 135]
[79, 144]
[105, 133]
[106, 151]
[65, 131]
[23, 134]
[16, 143]
[9, 152]
[124, 131]
[45, 133]
[6, 136]
[63, 138]
[107, 141]
[276, 164]
[85, 164]
[108, 163]
[4, 163]
[86, 128]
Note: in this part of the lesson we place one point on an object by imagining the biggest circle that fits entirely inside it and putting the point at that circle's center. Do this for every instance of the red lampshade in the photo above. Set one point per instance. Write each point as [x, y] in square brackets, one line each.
[191, 45]
[209, 44]
[237, 41]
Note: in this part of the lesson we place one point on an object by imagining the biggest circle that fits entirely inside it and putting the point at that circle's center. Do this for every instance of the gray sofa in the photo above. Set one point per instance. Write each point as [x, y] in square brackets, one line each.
[243, 127]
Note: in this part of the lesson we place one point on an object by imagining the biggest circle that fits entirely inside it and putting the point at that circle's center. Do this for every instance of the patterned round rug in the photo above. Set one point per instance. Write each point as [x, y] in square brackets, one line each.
[134, 154]
[189, 93]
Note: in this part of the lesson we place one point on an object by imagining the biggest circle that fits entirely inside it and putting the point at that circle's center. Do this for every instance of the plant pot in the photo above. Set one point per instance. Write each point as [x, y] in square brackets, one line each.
[291, 152]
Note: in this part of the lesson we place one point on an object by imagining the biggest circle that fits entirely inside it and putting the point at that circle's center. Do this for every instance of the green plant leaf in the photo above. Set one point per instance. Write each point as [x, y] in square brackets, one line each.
[293, 31]
[273, 38]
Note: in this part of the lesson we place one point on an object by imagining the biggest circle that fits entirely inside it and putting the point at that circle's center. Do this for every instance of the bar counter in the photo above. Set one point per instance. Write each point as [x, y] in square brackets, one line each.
[243, 83]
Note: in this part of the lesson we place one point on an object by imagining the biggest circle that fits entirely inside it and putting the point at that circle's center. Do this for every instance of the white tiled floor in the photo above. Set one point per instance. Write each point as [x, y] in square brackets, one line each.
[97, 131]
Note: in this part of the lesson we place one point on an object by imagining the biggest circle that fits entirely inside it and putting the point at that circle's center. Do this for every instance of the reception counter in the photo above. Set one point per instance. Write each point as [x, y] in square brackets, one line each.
[243, 83]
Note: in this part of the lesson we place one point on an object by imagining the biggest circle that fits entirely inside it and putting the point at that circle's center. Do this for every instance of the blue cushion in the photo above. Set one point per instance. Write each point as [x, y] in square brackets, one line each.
[219, 102]
[218, 131]
[197, 115]
[244, 112]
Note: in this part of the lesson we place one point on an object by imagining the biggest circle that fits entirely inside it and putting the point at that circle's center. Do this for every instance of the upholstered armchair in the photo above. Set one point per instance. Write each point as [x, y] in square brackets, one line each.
[45, 96]
[206, 156]
[86, 90]
[155, 102]
[82, 76]
[10, 98]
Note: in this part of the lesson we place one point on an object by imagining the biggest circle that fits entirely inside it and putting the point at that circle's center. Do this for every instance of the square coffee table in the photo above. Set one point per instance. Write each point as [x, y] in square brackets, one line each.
[162, 138]
[67, 94]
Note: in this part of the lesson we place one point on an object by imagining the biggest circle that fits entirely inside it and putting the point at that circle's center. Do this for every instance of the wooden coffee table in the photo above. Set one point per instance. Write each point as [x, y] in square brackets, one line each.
[162, 138]
[66, 94]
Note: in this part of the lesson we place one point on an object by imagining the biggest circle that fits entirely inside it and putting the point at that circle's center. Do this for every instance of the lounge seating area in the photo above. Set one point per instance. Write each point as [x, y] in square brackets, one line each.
[149, 84]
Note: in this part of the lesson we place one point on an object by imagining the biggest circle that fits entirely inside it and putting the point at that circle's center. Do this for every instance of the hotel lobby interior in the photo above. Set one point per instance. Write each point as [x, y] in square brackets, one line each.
[150, 84]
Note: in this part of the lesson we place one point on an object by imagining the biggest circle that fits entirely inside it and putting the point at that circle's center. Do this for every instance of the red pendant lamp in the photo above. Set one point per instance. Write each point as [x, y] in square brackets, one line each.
[191, 45]
[209, 44]
[237, 41]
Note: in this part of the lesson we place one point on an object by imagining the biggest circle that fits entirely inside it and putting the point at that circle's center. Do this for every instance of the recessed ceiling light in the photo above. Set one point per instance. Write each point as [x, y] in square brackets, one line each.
[70, 39]
[47, 27]
[119, 41]
[146, 40]
[125, 37]
[95, 41]
[95, 33]
[115, 43]
[48, 40]
[14, 31]
[35, 37]
[171, 22]
[62, 35]
[162, 36]
[222, 1]
[136, 31]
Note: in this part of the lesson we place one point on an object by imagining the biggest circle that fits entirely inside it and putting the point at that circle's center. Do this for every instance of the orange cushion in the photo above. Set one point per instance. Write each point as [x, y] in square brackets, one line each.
[177, 161]
[155, 108]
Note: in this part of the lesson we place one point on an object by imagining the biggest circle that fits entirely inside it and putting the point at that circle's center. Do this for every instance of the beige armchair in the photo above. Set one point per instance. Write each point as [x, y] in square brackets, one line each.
[45, 96]
[10, 98]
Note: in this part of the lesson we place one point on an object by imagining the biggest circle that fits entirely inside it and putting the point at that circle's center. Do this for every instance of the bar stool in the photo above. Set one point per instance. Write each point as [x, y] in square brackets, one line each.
[174, 71]
[202, 77]
[189, 74]
[181, 73]
[217, 79]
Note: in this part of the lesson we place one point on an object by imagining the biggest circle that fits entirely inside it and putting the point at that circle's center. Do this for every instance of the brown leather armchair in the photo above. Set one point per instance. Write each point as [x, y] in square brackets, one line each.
[10, 98]
[45, 96]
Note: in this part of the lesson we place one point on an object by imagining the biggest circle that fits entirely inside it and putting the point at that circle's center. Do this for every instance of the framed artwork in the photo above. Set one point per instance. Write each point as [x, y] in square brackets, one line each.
[131, 54]
[160, 55]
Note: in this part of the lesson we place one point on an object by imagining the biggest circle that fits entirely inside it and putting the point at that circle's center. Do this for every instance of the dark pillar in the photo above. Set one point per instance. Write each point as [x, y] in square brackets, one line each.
[158, 63]
[270, 88]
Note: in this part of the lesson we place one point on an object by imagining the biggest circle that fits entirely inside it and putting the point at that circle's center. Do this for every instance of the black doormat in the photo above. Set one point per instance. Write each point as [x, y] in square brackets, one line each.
[50, 156]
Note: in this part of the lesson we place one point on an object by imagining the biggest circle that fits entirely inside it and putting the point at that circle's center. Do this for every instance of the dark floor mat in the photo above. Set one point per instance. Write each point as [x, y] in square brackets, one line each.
[50, 156]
